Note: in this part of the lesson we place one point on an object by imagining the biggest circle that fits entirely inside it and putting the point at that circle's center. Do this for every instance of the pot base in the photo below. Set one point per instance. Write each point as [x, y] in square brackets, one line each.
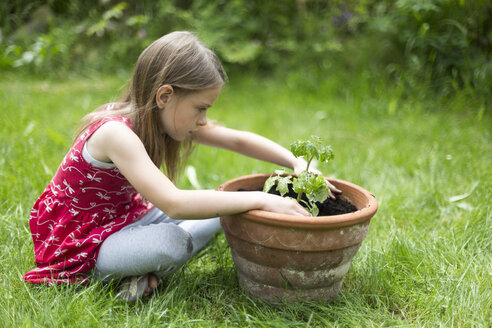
[272, 295]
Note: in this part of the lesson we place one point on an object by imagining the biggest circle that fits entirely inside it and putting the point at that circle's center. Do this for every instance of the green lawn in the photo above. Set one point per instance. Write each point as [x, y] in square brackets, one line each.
[425, 263]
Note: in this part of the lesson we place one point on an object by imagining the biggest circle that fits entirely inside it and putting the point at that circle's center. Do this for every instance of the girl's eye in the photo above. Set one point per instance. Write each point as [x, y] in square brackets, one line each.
[202, 109]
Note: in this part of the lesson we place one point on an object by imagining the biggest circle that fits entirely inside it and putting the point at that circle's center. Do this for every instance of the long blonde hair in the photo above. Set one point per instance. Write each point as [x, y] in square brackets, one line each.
[180, 60]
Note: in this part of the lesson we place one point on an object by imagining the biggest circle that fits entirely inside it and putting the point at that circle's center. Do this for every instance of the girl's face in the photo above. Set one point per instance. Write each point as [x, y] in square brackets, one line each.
[183, 115]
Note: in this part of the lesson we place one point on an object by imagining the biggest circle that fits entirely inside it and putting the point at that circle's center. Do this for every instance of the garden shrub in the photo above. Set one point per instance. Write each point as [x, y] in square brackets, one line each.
[442, 43]
[446, 42]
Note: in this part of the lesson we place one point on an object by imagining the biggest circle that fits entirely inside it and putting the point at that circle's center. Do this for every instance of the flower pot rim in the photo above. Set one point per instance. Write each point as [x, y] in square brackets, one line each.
[332, 221]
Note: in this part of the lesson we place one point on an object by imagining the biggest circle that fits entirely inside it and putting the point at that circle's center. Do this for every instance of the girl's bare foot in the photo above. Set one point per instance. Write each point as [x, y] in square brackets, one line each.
[152, 284]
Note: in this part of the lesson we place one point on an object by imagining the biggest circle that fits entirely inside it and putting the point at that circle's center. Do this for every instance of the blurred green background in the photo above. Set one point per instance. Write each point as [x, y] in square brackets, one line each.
[430, 45]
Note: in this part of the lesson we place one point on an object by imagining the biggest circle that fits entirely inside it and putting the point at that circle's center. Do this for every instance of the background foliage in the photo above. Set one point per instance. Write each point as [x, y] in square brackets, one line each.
[443, 45]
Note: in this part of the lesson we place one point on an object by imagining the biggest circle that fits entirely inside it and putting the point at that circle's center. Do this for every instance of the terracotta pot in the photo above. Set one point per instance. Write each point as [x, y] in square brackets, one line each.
[285, 258]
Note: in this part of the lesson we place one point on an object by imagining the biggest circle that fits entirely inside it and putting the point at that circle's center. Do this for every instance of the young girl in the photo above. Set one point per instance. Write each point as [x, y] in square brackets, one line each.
[110, 212]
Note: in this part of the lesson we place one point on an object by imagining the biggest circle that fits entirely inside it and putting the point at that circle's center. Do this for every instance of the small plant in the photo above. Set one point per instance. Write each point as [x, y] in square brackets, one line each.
[309, 183]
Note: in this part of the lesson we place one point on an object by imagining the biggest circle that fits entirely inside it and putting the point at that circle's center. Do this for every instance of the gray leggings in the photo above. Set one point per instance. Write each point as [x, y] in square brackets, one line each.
[154, 244]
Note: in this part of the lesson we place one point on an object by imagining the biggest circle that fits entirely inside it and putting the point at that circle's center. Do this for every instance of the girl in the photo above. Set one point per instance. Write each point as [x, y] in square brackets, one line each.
[110, 212]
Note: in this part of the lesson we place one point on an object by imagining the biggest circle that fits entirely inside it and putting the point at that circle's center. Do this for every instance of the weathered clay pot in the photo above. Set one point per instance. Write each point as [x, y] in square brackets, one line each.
[286, 258]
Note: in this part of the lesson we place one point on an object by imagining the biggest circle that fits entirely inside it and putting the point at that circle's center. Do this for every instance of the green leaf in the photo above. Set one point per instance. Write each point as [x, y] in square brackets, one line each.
[297, 148]
[269, 184]
[301, 183]
[281, 181]
[317, 181]
[314, 210]
[326, 154]
[283, 185]
[318, 195]
[115, 12]
[312, 148]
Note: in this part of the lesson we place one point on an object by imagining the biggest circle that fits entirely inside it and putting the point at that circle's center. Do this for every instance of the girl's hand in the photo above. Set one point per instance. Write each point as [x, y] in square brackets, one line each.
[332, 190]
[300, 165]
[277, 204]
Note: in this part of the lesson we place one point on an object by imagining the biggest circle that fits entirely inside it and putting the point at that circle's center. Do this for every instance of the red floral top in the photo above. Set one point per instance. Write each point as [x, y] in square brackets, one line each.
[81, 207]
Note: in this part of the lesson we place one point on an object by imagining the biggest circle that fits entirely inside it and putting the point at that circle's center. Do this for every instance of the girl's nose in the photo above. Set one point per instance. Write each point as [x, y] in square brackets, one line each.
[202, 121]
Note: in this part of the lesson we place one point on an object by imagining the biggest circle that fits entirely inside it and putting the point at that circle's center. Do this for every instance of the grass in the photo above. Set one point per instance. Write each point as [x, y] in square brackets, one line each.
[425, 263]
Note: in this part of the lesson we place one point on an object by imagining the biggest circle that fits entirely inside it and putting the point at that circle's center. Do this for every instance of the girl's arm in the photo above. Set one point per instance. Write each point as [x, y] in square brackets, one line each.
[249, 144]
[115, 142]
[253, 145]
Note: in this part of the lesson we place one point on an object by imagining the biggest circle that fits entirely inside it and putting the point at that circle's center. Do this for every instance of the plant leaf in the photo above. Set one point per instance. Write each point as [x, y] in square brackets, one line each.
[301, 183]
[281, 181]
[326, 154]
[269, 183]
[318, 195]
[314, 210]
[283, 185]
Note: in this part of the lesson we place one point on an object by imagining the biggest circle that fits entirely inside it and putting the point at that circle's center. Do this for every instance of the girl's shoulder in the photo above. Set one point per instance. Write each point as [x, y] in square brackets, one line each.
[106, 133]
[108, 113]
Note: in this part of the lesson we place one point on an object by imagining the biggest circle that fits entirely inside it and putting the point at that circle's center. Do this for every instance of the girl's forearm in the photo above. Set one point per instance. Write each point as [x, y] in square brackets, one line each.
[202, 204]
[253, 145]
[249, 144]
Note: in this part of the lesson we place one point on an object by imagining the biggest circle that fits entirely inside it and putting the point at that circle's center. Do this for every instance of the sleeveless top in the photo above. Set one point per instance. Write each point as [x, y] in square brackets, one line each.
[81, 207]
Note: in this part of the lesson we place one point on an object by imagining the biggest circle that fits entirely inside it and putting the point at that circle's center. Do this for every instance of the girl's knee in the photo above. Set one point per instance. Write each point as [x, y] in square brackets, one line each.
[146, 249]
[175, 244]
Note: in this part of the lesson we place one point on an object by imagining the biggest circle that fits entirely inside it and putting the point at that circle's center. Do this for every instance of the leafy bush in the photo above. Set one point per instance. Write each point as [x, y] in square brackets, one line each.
[446, 42]
[442, 43]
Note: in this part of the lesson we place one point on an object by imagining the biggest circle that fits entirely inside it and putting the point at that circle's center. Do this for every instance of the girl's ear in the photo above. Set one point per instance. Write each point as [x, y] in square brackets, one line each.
[164, 95]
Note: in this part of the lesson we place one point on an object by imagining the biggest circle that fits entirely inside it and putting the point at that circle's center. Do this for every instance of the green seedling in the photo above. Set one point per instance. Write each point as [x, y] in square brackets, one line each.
[311, 184]
[281, 180]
